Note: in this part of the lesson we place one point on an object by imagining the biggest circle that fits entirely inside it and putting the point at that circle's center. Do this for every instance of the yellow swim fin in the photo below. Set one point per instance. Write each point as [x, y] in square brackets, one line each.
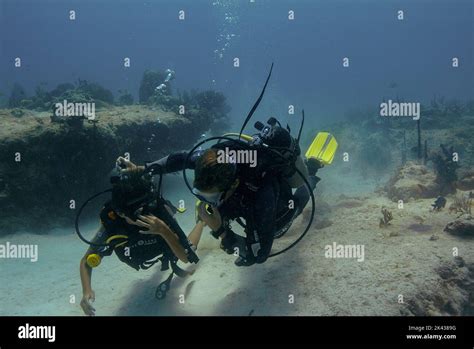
[323, 148]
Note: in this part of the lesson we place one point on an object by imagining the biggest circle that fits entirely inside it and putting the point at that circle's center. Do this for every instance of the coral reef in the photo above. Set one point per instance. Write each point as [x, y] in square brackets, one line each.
[412, 181]
[43, 100]
[210, 104]
[150, 80]
[445, 168]
[387, 217]
[18, 113]
[60, 89]
[95, 91]
[462, 204]
[125, 98]
[165, 102]
[216, 107]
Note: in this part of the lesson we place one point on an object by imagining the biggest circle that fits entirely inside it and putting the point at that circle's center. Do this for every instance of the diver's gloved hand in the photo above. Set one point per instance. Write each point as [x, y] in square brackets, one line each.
[127, 166]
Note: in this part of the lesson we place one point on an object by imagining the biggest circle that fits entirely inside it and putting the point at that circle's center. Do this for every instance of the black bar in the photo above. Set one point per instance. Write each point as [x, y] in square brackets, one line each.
[324, 331]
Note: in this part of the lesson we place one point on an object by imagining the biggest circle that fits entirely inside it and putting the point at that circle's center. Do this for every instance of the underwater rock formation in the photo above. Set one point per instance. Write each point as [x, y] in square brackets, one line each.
[95, 91]
[463, 227]
[445, 168]
[45, 164]
[125, 98]
[412, 181]
[216, 106]
[44, 100]
[61, 88]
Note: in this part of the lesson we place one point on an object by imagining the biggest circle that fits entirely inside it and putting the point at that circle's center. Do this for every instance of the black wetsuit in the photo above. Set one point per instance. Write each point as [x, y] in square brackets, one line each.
[139, 251]
[262, 200]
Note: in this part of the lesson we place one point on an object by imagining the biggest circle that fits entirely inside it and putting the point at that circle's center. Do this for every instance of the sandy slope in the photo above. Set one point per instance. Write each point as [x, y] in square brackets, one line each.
[399, 260]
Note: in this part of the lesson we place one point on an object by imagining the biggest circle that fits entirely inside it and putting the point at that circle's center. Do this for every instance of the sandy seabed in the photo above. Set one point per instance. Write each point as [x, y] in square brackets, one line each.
[411, 260]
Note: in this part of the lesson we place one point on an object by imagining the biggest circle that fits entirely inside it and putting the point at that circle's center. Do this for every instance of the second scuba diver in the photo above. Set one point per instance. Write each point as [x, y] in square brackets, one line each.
[138, 225]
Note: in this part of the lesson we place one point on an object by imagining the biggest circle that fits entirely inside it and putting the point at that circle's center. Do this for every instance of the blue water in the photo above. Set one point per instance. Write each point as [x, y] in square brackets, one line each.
[389, 59]
[410, 59]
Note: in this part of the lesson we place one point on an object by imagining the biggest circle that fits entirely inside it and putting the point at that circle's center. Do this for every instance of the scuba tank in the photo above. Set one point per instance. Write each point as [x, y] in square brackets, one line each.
[274, 138]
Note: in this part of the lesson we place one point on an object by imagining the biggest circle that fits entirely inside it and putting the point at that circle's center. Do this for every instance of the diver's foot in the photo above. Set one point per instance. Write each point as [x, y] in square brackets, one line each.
[313, 165]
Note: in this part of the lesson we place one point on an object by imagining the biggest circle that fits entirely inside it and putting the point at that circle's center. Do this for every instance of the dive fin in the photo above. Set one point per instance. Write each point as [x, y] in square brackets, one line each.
[323, 148]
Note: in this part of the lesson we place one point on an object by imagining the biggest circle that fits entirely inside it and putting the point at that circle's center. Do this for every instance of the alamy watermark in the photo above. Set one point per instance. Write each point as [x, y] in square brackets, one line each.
[345, 251]
[86, 109]
[14, 251]
[37, 332]
[390, 108]
[242, 156]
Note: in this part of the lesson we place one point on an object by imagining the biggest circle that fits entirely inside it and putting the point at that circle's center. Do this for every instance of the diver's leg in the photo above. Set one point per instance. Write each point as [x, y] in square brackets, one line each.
[296, 181]
[302, 194]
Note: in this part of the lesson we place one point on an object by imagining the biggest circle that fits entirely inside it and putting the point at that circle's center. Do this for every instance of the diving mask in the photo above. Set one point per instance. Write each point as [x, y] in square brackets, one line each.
[213, 199]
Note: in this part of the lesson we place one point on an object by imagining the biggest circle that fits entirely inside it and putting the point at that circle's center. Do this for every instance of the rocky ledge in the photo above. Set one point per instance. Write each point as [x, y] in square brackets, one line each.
[46, 163]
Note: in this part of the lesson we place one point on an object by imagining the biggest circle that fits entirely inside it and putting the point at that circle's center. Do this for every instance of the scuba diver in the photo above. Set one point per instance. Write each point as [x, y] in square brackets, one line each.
[138, 225]
[257, 195]
[260, 198]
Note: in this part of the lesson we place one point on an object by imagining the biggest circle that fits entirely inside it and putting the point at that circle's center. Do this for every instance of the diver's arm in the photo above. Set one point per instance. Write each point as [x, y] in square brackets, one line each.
[173, 242]
[230, 241]
[88, 294]
[174, 162]
[86, 273]
[195, 234]
[212, 218]
[158, 227]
